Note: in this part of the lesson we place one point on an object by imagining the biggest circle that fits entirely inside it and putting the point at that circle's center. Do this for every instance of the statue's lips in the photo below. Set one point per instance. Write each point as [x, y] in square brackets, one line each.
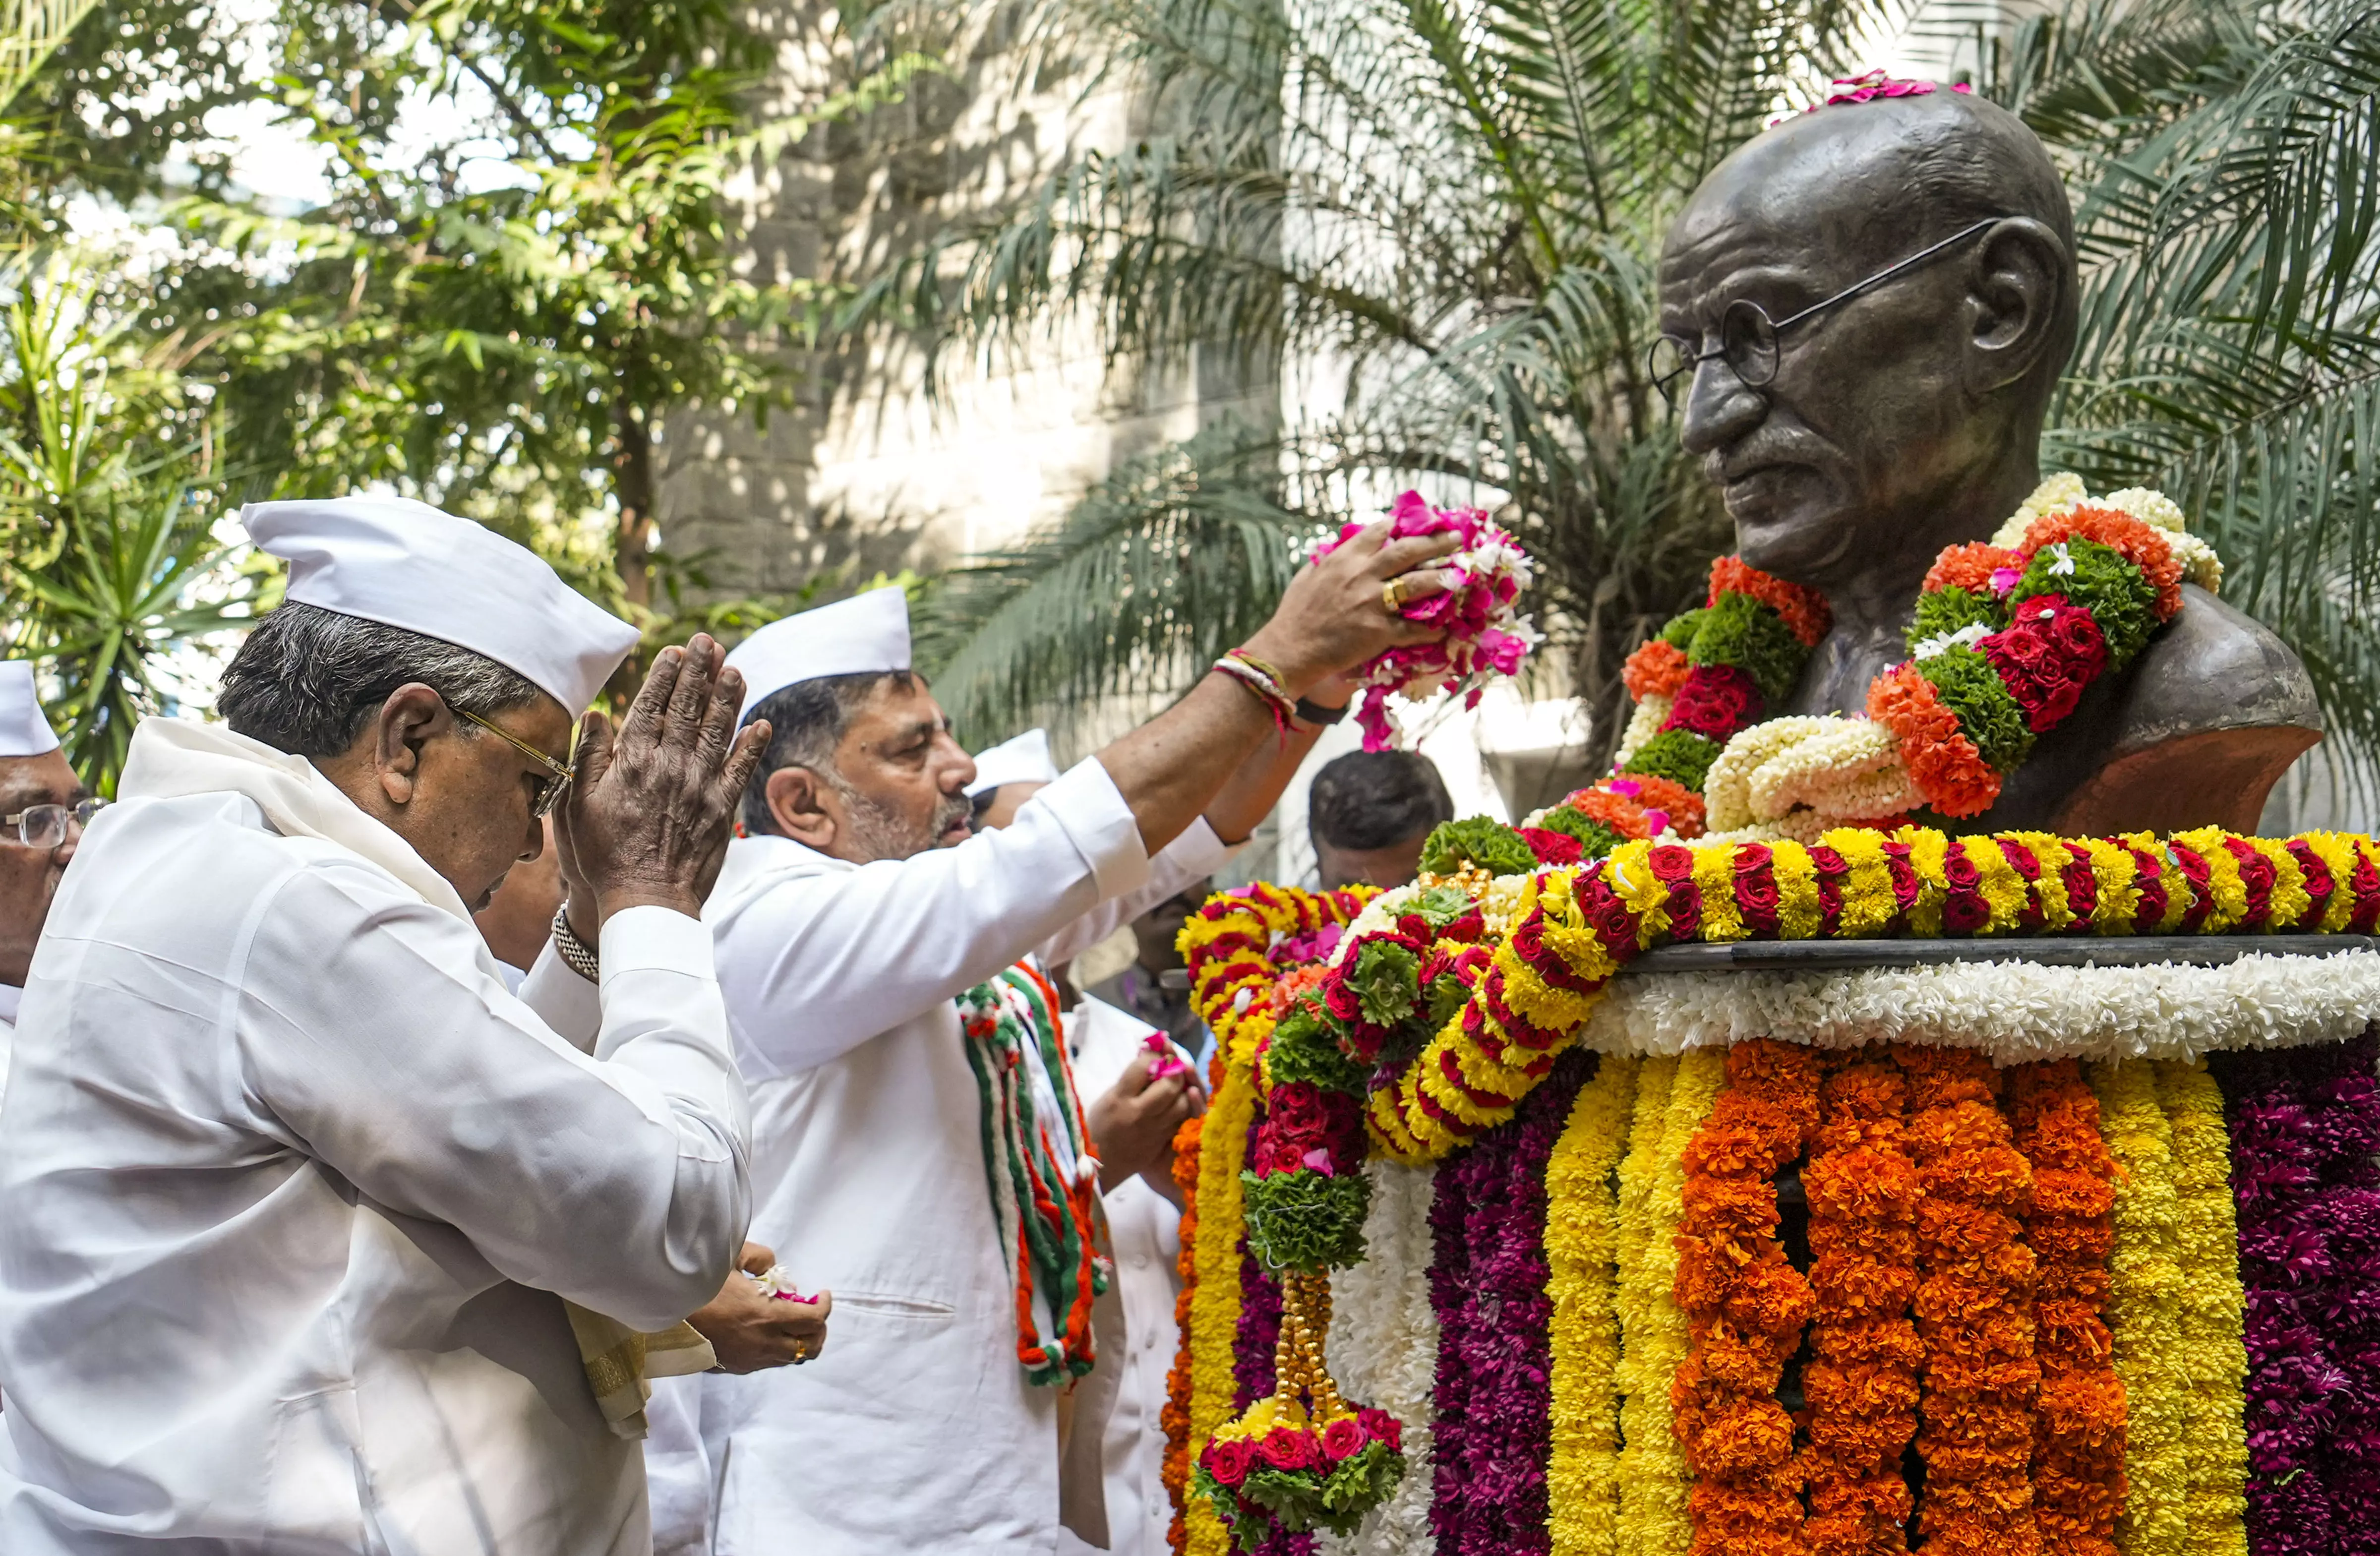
[1754, 490]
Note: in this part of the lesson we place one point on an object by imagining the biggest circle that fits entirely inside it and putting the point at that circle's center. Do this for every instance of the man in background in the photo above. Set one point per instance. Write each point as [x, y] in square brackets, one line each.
[43, 808]
[1369, 812]
[1155, 988]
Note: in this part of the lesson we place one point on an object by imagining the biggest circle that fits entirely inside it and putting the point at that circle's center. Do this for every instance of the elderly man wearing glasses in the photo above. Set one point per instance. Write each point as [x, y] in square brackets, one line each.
[313, 1236]
[43, 808]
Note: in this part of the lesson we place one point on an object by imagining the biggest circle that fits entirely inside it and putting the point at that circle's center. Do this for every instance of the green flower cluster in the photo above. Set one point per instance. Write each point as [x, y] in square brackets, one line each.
[1306, 1221]
[1679, 630]
[2102, 582]
[1270, 1499]
[1738, 631]
[1679, 755]
[1951, 609]
[1988, 712]
[1490, 845]
[1595, 839]
[1305, 1046]
[1385, 978]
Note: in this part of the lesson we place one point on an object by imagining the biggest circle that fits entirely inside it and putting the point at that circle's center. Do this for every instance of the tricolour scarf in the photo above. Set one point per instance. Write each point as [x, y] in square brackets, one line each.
[1037, 1159]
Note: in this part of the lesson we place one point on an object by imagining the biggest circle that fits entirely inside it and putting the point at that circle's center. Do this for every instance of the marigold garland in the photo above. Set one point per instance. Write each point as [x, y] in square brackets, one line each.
[1582, 1262]
[1975, 1308]
[2081, 1421]
[1655, 1479]
[2212, 1360]
[1644, 1385]
[1861, 1381]
[1175, 1420]
[1215, 1303]
[1743, 1303]
[2143, 1311]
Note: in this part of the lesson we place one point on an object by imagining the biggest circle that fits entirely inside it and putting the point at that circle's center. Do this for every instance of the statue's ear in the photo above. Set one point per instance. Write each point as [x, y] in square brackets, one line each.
[2016, 290]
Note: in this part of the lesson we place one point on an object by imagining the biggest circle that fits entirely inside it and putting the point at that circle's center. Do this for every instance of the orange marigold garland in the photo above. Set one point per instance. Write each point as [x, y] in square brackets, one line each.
[1658, 668]
[2078, 1444]
[1745, 1305]
[1969, 568]
[1803, 610]
[2136, 543]
[1175, 1470]
[1975, 1308]
[1944, 763]
[1861, 1381]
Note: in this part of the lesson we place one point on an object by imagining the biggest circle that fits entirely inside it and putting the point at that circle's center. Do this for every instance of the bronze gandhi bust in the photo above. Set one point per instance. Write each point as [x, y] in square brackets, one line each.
[1908, 419]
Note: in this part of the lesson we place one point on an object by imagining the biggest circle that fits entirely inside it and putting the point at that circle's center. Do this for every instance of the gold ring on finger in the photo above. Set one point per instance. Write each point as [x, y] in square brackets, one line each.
[1392, 595]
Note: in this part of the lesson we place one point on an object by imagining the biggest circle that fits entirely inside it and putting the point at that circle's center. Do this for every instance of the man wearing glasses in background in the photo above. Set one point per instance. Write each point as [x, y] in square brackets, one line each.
[43, 808]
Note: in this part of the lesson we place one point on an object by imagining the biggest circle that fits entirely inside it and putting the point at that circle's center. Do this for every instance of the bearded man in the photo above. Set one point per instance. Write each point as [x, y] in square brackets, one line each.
[312, 1236]
[917, 1145]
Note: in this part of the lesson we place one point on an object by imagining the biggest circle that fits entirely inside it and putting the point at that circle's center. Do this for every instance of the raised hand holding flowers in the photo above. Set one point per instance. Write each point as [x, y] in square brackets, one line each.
[1485, 635]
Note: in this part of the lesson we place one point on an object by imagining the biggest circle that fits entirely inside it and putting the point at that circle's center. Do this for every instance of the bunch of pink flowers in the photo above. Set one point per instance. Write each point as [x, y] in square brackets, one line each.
[1484, 636]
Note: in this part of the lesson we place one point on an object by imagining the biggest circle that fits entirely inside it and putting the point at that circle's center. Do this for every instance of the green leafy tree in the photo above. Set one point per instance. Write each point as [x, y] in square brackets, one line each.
[501, 320]
[1451, 214]
[110, 494]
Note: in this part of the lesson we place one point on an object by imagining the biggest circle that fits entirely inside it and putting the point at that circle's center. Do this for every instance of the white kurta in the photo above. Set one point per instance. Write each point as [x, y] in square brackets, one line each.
[287, 1182]
[916, 1430]
[9, 996]
[1147, 1228]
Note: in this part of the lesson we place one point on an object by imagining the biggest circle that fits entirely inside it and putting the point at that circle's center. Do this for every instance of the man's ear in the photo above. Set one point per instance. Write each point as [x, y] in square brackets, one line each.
[2014, 299]
[410, 716]
[796, 803]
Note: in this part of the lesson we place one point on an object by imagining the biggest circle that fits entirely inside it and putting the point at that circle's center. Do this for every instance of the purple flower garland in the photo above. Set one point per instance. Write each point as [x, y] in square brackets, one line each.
[1493, 1395]
[2304, 1123]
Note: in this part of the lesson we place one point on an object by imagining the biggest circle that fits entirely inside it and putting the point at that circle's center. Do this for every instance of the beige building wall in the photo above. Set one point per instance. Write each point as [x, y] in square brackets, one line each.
[876, 468]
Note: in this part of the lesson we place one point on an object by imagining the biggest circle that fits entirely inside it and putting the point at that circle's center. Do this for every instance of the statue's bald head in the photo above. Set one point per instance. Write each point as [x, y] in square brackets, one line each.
[1912, 385]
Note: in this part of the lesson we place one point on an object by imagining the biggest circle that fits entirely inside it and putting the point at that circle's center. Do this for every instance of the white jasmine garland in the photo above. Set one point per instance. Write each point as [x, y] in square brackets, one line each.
[1642, 724]
[2055, 494]
[1807, 774]
[2015, 1011]
[1383, 1351]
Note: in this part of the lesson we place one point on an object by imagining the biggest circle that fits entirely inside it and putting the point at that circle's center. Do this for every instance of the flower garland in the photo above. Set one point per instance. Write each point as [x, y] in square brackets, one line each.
[1582, 1259]
[1485, 635]
[2005, 637]
[1215, 1297]
[1860, 1382]
[2209, 1352]
[1383, 1347]
[2305, 1127]
[1488, 1284]
[1175, 1471]
[2080, 1422]
[2144, 1311]
[1655, 1482]
[1745, 1305]
[1974, 1307]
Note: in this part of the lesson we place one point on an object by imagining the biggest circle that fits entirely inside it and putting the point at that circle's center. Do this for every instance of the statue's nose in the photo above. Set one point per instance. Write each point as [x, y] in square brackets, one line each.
[1720, 408]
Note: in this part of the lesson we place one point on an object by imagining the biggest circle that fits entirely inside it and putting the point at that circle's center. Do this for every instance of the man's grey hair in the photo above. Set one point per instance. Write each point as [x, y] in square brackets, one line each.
[806, 722]
[308, 680]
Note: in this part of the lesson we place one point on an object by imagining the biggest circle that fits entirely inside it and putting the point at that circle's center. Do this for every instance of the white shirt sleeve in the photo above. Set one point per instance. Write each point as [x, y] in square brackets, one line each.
[1198, 852]
[371, 1036]
[563, 1000]
[824, 960]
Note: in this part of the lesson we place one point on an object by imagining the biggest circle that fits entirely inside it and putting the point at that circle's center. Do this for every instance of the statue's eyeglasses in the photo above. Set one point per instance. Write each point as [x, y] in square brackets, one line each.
[558, 773]
[45, 826]
[1747, 336]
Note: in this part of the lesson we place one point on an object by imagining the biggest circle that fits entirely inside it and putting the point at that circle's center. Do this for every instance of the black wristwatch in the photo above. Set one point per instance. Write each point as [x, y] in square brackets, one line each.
[1312, 713]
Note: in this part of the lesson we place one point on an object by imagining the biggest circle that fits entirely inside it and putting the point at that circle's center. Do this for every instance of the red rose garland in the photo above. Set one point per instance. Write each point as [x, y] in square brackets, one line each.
[1860, 1382]
[1745, 1305]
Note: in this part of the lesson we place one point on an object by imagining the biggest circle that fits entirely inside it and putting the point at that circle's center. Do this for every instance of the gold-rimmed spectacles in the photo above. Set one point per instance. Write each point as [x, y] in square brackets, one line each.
[558, 772]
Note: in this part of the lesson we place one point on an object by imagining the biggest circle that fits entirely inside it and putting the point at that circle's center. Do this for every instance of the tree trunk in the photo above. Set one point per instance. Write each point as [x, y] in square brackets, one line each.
[632, 479]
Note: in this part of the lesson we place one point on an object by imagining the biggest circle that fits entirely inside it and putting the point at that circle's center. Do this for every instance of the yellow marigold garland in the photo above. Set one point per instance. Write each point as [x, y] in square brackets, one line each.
[1582, 1235]
[1215, 1308]
[2211, 1358]
[2148, 1278]
[1654, 1478]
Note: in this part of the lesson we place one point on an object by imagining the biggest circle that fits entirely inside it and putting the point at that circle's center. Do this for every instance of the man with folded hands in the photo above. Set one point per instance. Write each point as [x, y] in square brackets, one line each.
[312, 1236]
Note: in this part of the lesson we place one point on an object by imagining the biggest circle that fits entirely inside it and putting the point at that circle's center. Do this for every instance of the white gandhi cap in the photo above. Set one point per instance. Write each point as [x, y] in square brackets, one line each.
[404, 563]
[1024, 760]
[23, 731]
[865, 633]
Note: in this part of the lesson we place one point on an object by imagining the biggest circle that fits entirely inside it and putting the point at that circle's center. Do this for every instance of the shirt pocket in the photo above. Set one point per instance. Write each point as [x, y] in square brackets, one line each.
[870, 1309]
